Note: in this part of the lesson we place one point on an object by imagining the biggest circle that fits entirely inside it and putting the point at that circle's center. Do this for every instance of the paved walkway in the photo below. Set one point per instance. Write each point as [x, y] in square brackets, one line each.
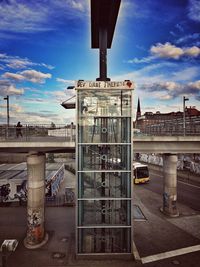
[154, 235]
[161, 234]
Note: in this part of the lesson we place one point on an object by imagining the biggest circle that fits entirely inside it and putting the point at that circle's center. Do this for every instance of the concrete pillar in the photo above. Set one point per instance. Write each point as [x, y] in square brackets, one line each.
[35, 236]
[170, 185]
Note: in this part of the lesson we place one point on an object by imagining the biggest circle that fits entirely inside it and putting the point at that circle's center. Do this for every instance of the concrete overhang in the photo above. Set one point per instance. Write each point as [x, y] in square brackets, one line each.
[46, 147]
[104, 15]
[166, 144]
[141, 144]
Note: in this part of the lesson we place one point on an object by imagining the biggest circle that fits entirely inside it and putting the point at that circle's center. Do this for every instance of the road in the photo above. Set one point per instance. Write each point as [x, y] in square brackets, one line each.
[187, 194]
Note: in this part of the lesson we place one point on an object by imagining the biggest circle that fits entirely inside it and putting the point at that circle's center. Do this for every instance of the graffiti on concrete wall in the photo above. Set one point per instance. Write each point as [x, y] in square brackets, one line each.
[35, 232]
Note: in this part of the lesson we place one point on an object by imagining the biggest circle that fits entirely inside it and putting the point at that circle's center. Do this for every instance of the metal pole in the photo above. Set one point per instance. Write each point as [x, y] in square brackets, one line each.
[103, 55]
[184, 115]
[8, 116]
[184, 123]
[71, 134]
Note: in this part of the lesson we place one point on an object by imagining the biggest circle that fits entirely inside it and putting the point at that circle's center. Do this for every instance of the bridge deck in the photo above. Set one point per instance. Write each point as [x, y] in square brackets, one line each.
[142, 144]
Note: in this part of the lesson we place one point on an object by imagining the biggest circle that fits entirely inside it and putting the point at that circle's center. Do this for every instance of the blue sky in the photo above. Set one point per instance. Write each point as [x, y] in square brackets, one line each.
[46, 44]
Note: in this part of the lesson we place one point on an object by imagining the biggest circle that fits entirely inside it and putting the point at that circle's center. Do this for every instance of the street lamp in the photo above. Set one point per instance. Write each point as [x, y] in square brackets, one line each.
[8, 117]
[184, 100]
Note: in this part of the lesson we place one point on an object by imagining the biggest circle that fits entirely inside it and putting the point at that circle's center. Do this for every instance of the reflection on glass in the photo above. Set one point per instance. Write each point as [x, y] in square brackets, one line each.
[101, 129]
[104, 240]
[104, 170]
[101, 184]
[98, 212]
[104, 157]
[103, 103]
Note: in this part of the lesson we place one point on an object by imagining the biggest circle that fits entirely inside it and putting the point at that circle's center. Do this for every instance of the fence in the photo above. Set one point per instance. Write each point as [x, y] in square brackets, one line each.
[168, 127]
[61, 132]
[31, 132]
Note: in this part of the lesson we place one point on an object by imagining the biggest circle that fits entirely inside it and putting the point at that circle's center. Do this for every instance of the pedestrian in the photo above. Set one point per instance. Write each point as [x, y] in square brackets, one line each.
[19, 130]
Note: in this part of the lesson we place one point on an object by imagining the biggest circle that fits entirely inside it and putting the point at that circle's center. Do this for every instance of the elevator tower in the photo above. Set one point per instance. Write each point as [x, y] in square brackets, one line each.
[104, 150]
[104, 167]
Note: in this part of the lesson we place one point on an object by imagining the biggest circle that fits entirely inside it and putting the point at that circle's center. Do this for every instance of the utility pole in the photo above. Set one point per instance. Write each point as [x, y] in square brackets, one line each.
[184, 124]
[8, 116]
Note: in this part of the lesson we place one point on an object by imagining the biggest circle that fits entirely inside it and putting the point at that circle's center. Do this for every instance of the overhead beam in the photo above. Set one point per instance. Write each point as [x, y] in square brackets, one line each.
[141, 144]
[104, 15]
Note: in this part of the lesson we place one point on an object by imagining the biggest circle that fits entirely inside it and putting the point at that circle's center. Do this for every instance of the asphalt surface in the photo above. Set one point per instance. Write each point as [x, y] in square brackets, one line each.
[187, 193]
[153, 234]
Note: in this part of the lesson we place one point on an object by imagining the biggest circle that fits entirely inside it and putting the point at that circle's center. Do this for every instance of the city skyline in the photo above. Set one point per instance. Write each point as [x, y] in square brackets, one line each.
[46, 45]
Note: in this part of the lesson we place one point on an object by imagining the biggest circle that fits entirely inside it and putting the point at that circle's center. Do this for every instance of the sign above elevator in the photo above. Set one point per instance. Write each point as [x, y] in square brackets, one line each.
[81, 84]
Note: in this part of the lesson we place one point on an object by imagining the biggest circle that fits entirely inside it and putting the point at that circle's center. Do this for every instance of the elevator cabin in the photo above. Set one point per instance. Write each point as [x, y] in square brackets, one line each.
[104, 169]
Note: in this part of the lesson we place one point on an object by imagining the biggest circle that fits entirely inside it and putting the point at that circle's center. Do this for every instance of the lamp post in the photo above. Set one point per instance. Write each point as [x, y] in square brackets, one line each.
[8, 116]
[184, 124]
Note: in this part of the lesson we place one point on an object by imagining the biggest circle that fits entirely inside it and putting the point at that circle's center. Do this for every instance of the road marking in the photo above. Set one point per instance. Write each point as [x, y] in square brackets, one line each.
[156, 174]
[189, 184]
[136, 253]
[170, 254]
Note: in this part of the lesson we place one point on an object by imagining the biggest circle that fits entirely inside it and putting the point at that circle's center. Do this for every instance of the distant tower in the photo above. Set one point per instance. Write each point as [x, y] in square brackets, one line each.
[138, 113]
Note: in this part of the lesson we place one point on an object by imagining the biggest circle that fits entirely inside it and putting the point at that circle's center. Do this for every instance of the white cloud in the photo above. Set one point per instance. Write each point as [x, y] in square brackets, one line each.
[23, 17]
[14, 76]
[28, 75]
[1, 67]
[165, 97]
[148, 74]
[15, 108]
[170, 86]
[170, 90]
[155, 82]
[194, 10]
[62, 96]
[35, 76]
[38, 16]
[168, 50]
[142, 60]
[15, 62]
[195, 85]
[179, 27]
[189, 37]
[186, 74]
[71, 82]
[18, 63]
[6, 88]
[78, 5]
[192, 51]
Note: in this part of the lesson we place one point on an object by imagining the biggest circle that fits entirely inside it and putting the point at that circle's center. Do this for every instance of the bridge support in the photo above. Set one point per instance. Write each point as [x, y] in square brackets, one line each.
[36, 236]
[170, 185]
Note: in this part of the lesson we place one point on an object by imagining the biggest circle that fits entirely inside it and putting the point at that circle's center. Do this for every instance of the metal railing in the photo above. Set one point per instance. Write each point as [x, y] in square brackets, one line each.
[39, 132]
[173, 127]
[61, 132]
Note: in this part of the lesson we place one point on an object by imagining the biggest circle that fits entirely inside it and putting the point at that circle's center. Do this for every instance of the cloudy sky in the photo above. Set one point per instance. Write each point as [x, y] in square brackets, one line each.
[46, 44]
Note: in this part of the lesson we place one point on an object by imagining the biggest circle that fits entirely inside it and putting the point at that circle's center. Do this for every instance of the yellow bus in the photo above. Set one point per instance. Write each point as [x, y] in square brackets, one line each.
[140, 173]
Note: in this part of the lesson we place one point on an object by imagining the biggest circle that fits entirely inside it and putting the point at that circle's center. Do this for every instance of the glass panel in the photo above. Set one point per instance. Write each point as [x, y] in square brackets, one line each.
[104, 118]
[109, 212]
[104, 240]
[104, 103]
[110, 184]
[104, 130]
[104, 157]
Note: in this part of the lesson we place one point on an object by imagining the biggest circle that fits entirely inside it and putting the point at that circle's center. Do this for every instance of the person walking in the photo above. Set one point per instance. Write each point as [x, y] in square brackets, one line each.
[19, 130]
